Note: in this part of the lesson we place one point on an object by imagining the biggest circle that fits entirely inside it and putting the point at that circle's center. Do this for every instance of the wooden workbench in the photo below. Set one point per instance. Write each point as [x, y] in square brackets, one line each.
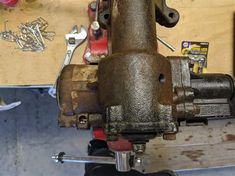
[27, 68]
[201, 20]
[196, 147]
[210, 21]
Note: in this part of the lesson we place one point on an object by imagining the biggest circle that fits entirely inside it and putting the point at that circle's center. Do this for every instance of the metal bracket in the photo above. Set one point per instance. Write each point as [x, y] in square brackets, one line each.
[165, 15]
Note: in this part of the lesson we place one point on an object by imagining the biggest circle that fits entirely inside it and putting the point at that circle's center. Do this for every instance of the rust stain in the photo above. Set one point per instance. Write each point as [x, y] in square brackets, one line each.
[229, 123]
[10, 10]
[230, 149]
[230, 137]
[189, 138]
[194, 155]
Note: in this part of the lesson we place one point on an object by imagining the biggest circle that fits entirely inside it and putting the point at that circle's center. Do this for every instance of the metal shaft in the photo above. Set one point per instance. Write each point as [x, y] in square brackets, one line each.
[121, 160]
[97, 10]
[133, 25]
[88, 159]
[166, 44]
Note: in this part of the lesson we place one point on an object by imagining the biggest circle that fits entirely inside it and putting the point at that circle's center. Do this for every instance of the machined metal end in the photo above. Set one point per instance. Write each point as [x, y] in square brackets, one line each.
[58, 158]
[124, 161]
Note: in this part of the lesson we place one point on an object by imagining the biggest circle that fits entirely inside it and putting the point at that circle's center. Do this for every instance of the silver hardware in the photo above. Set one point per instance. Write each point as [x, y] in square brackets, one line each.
[166, 44]
[73, 40]
[88, 159]
[31, 35]
[123, 160]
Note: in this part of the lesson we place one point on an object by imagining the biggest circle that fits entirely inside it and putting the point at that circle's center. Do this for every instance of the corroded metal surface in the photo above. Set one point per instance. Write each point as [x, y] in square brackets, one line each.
[165, 15]
[135, 92]
[133, 25]
[130, 86]
[77, 95]
[135, 85]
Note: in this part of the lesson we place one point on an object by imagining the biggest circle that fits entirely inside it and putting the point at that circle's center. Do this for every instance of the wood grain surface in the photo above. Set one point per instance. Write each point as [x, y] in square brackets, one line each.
[27, 68]
[196, 147]
[201, 20]
[205, 21]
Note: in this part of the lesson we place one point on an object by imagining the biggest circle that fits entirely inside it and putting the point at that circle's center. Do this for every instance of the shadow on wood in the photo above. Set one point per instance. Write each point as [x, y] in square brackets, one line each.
[234, 44]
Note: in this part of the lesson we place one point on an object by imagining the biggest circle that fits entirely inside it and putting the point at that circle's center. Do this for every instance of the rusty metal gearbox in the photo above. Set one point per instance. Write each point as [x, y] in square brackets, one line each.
[136, 92]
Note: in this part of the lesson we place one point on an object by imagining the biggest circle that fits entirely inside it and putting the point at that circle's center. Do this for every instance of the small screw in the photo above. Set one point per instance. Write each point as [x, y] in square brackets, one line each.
[95, 26]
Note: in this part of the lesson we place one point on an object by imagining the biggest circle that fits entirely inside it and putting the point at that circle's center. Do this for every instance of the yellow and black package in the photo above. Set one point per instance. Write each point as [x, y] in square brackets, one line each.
[198, 53]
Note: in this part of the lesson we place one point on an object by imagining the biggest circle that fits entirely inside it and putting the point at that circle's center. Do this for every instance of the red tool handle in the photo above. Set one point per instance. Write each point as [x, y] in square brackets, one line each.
[9, 2]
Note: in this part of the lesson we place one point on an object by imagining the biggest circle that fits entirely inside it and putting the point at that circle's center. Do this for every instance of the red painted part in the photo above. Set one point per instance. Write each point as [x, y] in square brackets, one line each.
[99, 46]
[120, 145]
[96, 46]
[9, 2]
[98, 133]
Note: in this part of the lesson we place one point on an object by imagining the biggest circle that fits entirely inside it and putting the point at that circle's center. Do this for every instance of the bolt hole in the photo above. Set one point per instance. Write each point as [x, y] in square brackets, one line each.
[171, 15]
[82, 119]
[106, 16]
[161, 78]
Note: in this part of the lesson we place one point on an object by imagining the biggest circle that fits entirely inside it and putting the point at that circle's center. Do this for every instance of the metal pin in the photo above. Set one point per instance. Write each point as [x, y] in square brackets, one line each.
[5, 25]
[31, 37]
[97, 10]
[40, 35]
[166, 44]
